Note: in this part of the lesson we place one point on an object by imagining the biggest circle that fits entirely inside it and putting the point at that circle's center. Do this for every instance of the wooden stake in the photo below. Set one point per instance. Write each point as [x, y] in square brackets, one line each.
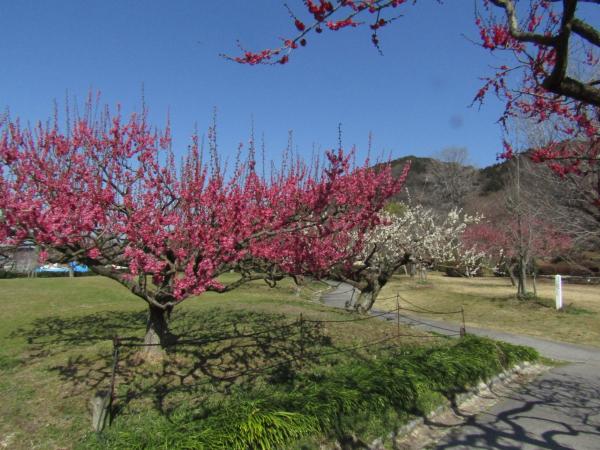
[301, 339]
[398, 314]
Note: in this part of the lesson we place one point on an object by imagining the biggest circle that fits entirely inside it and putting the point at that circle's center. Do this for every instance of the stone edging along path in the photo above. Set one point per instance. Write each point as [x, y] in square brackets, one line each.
[425, 431]
[534, 407]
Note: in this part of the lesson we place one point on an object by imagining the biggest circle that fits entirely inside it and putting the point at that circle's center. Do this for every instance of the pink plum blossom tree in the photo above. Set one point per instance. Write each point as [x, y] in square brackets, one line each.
[107, 193]
[513, 245]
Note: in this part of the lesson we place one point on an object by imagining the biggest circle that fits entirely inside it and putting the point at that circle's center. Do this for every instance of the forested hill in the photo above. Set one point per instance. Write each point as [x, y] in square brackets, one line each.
[494, 191]
[443, 184]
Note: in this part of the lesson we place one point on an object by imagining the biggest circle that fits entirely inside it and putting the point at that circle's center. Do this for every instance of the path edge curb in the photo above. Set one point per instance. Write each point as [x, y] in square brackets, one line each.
[504, 377]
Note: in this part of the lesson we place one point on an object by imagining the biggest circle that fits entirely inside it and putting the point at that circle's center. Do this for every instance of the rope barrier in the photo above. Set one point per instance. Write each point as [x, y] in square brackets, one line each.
[340, 293]
[379, 341]
[249, 372]
[123, 343]
[118, 343]
[389, 315]
[325, 286]
[213, 340]
[428, 310]
[355, 347]
[314, 321]
[303, 355]
[426, 324]
[372, 316]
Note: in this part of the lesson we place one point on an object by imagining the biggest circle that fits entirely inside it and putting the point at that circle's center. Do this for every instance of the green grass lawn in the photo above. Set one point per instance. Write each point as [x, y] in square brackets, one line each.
[285, 383]
[490, 302]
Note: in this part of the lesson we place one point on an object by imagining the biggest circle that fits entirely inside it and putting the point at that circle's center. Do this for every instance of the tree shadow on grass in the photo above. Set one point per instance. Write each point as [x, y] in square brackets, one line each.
[218, 351]
[54, 335]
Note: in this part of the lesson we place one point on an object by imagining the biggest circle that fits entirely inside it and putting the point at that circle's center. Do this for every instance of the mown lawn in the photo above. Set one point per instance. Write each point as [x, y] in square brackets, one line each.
[490, 302]
[284, 383]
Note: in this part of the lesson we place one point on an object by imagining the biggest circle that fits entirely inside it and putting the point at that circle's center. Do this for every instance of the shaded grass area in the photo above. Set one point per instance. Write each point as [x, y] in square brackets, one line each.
[275, 381]
[490, 302]
[351, 400]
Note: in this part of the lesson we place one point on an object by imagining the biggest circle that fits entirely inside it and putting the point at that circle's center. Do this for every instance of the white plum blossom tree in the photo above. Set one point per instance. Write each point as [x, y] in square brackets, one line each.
[413, 234]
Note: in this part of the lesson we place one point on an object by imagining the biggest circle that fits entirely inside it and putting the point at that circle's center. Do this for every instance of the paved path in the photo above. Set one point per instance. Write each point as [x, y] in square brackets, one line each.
[558, 410]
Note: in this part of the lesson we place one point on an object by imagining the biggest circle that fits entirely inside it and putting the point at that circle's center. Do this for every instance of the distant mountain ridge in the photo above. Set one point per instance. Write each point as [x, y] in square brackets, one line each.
[476, 187]
[488, 180]
[487, 190]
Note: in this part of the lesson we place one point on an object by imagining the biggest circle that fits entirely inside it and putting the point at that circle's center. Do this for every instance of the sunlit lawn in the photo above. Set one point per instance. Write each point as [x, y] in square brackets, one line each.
[490, 302]
[55, 349]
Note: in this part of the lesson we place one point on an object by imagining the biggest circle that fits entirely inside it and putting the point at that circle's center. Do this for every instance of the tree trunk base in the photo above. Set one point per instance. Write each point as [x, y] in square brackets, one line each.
[158, 340]
[365, 301]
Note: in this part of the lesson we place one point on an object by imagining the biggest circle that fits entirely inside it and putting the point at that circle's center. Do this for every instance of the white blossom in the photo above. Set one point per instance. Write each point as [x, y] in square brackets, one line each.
[423, 235]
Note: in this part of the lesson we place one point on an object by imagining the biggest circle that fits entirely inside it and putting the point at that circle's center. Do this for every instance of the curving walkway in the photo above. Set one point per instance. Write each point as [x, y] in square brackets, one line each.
[558, 410]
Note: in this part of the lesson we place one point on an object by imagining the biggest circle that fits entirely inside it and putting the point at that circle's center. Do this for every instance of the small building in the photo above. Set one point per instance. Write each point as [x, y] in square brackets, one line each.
[19, 258]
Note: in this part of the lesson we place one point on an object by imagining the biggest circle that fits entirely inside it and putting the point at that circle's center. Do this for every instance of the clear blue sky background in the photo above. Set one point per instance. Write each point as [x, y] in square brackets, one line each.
[415, 99]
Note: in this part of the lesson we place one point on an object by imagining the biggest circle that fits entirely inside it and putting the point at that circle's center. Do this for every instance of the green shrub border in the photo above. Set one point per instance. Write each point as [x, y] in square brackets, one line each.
[363, 396]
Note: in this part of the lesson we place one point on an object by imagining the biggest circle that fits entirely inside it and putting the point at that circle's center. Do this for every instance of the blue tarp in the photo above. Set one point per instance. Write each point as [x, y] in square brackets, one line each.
[79, 267]
[52, 268]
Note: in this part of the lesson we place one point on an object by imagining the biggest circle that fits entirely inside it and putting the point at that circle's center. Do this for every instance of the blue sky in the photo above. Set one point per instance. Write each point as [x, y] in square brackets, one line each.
[414, 99]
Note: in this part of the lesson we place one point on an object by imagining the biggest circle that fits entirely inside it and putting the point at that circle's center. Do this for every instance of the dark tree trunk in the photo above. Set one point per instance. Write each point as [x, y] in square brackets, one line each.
[522, 288]
[157, 332]
[299, 282]
[511, 273]
[158, 337]
[366, 299]
[533, 266]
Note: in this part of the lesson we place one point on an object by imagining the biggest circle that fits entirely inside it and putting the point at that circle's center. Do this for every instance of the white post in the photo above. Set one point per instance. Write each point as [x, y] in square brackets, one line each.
[558, 291]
